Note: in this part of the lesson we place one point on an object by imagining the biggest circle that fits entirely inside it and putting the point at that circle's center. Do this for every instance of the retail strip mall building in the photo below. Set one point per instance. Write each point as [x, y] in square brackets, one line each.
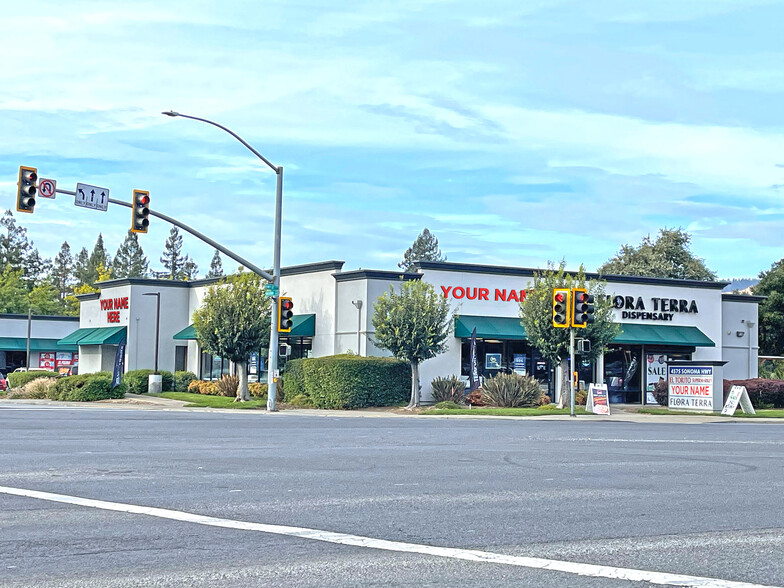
[660, 319]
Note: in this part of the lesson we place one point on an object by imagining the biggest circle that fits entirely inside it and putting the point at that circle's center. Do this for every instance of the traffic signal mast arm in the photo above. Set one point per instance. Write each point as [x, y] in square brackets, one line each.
[227, 252]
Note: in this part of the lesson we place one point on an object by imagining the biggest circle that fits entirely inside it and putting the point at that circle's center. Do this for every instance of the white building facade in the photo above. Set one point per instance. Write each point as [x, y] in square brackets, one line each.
[661, 319]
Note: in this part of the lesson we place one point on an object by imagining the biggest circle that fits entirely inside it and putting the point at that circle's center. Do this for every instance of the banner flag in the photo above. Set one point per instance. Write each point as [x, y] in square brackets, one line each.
[474, 368]
[119, 365]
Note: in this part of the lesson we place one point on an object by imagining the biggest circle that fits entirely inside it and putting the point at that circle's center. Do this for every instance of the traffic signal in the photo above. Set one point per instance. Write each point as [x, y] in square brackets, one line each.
[25, 195]
[140, 211]
[561, 308]
[582, 308]
[285, 314]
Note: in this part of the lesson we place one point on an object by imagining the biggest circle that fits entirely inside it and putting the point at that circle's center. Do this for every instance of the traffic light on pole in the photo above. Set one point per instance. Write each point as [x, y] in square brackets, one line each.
[140, 211]
[285, 314]
[561, 308]
[25, 194]
[582, 308]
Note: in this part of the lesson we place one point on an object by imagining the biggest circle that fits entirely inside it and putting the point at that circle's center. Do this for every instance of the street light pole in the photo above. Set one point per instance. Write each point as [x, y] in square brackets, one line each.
[272, 372]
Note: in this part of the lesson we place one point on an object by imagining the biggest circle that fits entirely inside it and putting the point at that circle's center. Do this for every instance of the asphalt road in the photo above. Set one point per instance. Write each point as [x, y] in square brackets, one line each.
[698, 499]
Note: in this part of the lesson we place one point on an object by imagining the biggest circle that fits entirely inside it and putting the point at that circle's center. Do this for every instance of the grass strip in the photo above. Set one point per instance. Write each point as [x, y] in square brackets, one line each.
[207, 401]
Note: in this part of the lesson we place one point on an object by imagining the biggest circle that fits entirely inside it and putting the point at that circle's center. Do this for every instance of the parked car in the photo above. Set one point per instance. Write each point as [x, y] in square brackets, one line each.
[3, 382]
[21, 369]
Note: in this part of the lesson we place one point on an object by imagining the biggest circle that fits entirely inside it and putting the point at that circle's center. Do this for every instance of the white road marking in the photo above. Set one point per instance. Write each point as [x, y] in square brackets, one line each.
[582, 569]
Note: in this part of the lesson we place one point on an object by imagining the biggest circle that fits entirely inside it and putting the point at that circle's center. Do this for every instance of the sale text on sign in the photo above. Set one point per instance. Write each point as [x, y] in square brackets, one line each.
[691, 387]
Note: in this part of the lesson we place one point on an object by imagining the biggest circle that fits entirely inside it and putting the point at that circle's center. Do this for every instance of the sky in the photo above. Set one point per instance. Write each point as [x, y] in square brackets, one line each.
[518, 132]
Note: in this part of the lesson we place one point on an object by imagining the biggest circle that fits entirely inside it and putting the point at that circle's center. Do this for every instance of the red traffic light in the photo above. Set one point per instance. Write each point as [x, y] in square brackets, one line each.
[559, 296]
[144, 199]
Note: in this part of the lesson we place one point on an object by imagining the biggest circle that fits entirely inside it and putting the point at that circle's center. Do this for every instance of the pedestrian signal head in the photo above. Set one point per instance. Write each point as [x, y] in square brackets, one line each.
[25, 194]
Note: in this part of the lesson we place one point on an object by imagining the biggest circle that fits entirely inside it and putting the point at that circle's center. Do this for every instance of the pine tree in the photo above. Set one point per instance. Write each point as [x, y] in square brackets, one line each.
[98, 258]
[424, 248]
[62, 272]
[81, 269]
[35, 267]
[14, 246]
[178, 267]
[216, 267]
[130, 261]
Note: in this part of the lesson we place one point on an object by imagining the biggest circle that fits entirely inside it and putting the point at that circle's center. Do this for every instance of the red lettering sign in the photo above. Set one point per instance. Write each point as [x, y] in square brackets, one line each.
[113, 316]
[461, 292]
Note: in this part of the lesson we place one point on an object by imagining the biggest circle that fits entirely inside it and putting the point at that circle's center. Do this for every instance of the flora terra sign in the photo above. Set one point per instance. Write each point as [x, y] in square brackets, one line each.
[691, 387]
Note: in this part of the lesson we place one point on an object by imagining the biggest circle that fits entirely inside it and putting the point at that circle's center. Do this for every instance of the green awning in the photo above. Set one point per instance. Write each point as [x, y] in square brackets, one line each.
[95, 336]
[662, 335]
[36, 344]
[302, 325]
[187, 333]
[489, 327]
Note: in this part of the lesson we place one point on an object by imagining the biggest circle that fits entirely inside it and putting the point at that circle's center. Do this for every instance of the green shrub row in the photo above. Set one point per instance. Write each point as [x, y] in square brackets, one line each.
[762, 393]
[86, 388]
[347, 381]
[19, 379]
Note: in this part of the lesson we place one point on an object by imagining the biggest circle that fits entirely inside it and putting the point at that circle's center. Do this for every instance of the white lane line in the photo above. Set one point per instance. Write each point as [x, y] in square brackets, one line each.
[665, 441]
[581, 569]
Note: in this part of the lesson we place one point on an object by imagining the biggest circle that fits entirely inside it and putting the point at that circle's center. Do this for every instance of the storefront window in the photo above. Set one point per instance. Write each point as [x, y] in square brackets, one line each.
[495, 356]
[623, 373]
[213, 367]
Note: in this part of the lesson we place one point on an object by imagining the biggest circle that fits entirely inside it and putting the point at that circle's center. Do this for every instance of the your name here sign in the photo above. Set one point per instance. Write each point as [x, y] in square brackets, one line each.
[691, 387]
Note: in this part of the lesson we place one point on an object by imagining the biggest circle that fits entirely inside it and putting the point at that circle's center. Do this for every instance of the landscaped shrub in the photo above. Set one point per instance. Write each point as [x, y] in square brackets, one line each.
[346, 381]
[258, 390]
[35, 389]
[293, 379]
[138, 380]
[182, 380]
[19, 379]
[511, 390]
[193, 386]
[227, 385]
[451, 389]
[661, 391]
[762, 393]
[301, 401]
[86, 387]
[448, 405]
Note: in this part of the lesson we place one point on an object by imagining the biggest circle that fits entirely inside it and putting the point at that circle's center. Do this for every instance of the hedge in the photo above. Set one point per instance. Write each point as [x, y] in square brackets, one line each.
[138, 380]
[293, 378]
[350, 381]
[19, 379]
[86, 388]
[762, 393]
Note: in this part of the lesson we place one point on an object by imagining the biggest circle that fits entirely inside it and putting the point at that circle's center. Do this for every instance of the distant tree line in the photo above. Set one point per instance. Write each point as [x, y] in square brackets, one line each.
[49, 286]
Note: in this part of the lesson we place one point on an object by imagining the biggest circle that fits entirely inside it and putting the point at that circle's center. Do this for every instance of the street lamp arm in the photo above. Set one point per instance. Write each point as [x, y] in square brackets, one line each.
[230, 132]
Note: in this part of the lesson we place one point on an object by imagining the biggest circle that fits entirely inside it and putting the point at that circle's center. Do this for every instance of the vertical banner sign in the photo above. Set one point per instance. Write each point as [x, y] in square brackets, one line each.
[119, 365]
[656, 370]
[473, 372]
[46, 360]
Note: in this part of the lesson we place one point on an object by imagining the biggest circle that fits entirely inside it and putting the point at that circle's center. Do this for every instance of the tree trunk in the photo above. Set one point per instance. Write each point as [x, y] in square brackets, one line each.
[565, 398]
[242, 389]
[414, 385]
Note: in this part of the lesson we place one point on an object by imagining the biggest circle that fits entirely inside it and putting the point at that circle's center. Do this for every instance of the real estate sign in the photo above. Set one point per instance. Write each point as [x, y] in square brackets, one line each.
[691, 387]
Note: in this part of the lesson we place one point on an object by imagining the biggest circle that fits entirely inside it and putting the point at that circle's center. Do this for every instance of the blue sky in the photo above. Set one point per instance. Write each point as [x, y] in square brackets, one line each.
[517, 132]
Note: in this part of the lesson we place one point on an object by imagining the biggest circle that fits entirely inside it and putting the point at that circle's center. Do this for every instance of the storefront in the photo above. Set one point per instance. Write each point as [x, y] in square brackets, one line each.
[45, 332]
[660, 319]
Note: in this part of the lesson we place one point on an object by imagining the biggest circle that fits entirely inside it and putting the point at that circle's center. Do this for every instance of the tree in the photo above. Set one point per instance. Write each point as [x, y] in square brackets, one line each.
[14, 246]
[13, 293]
[35, 267]
[234, 322]
[129, 261]
[81, 267]
[98, 258]
[72, 303]
[179, 267]
[45, 299]
[666, 257]
[771, 310]
[413, 324]
[424, 248]
[61, 272]
[216, 267]
[536, 314]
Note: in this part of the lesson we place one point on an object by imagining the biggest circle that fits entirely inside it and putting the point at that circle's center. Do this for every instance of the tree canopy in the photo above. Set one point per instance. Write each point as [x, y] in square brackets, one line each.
[234, 322]
[179, 267]
[771, 310]
[130, 261]
[424, 248]
[413, 324]
[667, 256]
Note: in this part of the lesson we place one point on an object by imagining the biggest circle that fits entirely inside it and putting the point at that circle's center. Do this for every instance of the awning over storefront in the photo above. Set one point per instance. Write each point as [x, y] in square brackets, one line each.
[302, 325]
[36, 344]
[187, 333]
[95, 336]
[489, 327]
[662, 335]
